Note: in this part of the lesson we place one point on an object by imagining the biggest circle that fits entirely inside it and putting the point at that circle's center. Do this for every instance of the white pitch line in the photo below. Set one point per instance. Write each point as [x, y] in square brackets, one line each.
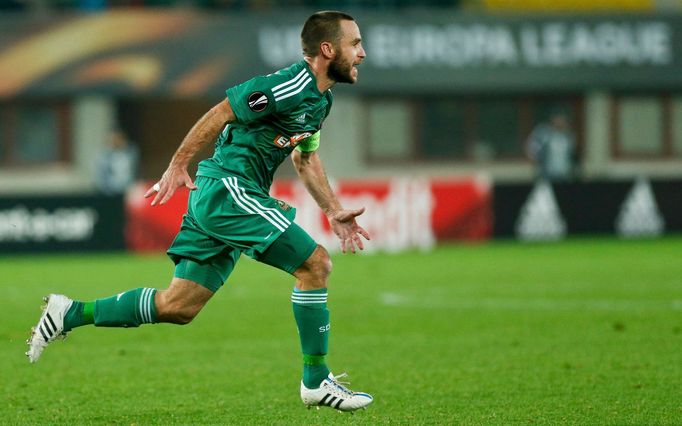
[410, 301]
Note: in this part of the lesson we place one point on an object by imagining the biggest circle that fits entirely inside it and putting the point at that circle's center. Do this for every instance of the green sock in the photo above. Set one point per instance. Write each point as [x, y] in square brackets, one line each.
[89, 312]
[127, 309]
[80, 313]
[312, 319]
[314, 370]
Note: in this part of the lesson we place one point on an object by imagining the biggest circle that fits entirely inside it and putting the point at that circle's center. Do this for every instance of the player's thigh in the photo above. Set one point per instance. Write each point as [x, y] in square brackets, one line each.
[290, 250]
[210, 272]
[198, 254]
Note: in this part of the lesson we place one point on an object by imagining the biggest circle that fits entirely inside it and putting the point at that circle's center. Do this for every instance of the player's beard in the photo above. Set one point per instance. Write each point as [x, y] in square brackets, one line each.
[340, 71]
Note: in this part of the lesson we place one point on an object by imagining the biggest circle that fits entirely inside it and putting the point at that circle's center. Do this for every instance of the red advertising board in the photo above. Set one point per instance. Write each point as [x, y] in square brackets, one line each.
[401, 213]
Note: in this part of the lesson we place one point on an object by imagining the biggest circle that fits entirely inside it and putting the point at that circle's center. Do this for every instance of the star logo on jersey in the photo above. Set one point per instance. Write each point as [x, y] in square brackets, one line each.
[258, 101]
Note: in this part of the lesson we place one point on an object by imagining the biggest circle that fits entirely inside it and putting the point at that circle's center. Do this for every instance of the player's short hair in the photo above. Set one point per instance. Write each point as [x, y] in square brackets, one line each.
[320, 27]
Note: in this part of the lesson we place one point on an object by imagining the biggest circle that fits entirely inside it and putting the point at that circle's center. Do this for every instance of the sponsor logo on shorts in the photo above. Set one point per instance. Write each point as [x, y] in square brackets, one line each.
[258, 101]
[291, 141]
[282, 205]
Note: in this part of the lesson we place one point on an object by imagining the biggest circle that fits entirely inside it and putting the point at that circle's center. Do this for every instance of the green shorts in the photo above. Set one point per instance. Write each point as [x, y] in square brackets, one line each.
[227, 217]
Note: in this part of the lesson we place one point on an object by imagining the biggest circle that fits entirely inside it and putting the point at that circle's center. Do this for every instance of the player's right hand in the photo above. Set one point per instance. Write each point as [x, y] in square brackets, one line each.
[172, 179]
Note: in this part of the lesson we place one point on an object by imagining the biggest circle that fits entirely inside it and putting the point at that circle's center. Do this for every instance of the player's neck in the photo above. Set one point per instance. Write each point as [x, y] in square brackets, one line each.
[319, 68]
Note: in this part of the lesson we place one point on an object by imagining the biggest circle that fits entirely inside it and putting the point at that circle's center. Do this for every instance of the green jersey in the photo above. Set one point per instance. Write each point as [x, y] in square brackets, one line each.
[275, 114]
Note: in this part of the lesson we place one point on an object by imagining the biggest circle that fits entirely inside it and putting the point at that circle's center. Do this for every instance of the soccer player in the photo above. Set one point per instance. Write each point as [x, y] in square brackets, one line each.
[230, 212]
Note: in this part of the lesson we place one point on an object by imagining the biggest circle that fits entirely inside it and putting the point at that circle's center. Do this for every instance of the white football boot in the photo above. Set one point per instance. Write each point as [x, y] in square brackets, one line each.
[50, 327]
[332, 393]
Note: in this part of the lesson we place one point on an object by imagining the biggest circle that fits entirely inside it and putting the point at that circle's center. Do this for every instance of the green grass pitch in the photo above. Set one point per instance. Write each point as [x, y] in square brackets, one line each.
[583, 332]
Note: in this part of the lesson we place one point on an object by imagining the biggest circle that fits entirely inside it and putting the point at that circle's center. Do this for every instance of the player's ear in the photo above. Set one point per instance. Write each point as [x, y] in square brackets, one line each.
[327, 50]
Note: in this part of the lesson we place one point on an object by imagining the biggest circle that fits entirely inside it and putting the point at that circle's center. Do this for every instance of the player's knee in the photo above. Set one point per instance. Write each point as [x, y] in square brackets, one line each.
[321, 265]
[326, 263]
[315, 271]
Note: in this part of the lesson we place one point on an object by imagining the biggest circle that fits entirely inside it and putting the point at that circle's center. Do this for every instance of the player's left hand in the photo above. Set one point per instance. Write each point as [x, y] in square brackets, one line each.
[347, 229]
[172, 179]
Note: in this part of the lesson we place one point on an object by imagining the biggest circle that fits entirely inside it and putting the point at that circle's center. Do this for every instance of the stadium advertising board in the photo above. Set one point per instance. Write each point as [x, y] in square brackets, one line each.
[400, 214]
[61, 223]
[189, 54]
[628, 209]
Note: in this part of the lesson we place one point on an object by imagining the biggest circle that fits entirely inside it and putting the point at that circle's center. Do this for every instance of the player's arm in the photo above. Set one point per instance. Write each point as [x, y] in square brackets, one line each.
[204, 131]
[311, 171]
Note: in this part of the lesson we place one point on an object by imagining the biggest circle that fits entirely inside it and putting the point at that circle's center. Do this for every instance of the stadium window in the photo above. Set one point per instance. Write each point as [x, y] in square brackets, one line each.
[389, 130]
[639, 128]
[676, 124]
[646, 126]
[479, 129]
[33, 133]
[499, 130]
[442, 131]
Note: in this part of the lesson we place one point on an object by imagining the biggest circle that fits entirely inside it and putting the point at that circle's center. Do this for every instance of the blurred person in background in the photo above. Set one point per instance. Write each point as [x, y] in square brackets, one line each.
[255, 128]
[117, 165]
[551, 147]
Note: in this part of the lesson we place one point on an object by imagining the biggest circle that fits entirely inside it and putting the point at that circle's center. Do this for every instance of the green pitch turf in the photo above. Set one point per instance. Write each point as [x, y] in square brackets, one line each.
[583, 332]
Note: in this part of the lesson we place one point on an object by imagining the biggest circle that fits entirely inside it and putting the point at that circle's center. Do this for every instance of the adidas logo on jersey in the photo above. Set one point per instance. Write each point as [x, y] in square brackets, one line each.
[301, 118]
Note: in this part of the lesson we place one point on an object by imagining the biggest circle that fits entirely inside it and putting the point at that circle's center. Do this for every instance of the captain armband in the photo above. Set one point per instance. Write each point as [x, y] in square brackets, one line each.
[309, 144]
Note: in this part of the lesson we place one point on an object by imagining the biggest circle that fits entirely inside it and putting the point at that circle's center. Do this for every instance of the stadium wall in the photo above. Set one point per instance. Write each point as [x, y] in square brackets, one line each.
[187, 54]
[110, 62]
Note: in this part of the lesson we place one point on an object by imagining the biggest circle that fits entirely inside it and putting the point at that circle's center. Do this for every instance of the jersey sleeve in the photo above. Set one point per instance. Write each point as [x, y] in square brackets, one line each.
[252, 99]
[264, 95]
